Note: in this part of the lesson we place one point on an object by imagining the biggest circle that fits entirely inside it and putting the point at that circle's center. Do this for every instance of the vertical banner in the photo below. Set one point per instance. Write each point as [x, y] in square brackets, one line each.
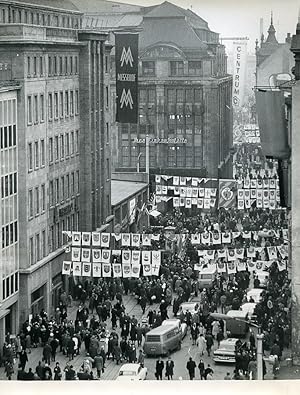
[239, 72]
[227, 193]
[127, 77]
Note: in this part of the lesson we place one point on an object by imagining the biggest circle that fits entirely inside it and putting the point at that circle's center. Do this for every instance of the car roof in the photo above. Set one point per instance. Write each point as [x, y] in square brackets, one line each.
[161, 329]
[236, 313]
[132, 367]
[230, 340]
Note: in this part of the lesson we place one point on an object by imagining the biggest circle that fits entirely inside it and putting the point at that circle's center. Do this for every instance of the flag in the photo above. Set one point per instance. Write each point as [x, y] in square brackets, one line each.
[188, 203]
[226, 238]
[135, 270]
[227, 193]
[259, 266]
[240, 265]
[231, 267]
[283, 251]
[231, 255]
[194, 182]
[86, 239]
[209, 254]
[281, 265]
[96, 269]
[147, 269]
[117, 236]
[251, 265]
[182, 180]
[239, 253]
[216, 237]
[157, 179]
[155, 269]
[146, 240]
[251, 253]
[95, 239]
[76, 254]
[200, 203]
[135, 240]
[135, 257]
[126, 257]
[106, 256]
[125, 239]
[146, 257]
[272, 252]
[246, 234]
[66, 267]
[206, 204]
[86, 269]
[156, 257]
[96, 256]
[205, 238]
[76, 238]
[175, 180]
[155, 237]
[117, 270]
[235, 234]
[86, 255]
[106, 270]
[195, 239]
[221, 267]
[222, 253]
[241, 205]
[76, 268]
[105, 239]
[176, 202]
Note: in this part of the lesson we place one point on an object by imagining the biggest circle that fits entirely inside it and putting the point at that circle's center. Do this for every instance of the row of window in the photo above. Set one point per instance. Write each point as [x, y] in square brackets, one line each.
[8, 185]
[57, 65]
[63, 188]
[10, 285]
[9, 234]
[176, 68]
[56, 239]
[8, 136]
[37, 247]
[36, 201]
[172, 95]
[20, 15]
[36, 155]
[63, 146]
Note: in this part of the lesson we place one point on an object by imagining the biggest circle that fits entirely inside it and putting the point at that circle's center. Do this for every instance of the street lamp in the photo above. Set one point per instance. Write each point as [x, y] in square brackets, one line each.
[259, 338]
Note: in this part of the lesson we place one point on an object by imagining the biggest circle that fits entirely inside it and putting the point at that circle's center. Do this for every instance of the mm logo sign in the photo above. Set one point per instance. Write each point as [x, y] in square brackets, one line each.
[126, 57]
[127, 77]
[126, 99]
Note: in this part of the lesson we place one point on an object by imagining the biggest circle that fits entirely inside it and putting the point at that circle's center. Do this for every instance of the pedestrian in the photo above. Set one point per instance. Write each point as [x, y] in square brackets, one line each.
[57, 372]
[141, 358]
[98, 360]
[39, 370]
[209, 343]
[9, 369]
[201, 343]
[23, 359]
[227, 377]
[169, 369]
[47, 353]
[201, 368]
[159, 369]
[29, 375]
[191, 367]
[53, 344]
[47, 372]
[194, 333]
[207, 371]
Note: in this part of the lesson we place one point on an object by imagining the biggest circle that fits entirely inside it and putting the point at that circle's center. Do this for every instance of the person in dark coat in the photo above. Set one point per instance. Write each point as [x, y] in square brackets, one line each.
[39, 370]
[47, 353]
[29, 375]
[159, 369]
[191, 367]
[201, 368]
[98, 360]
[23, 359]
[53, 344]
[139, 334]
[70, 349]
[21, 374]
[47, 372]
[207, 371]
[169, 369]
[57, 372]
[209, 343]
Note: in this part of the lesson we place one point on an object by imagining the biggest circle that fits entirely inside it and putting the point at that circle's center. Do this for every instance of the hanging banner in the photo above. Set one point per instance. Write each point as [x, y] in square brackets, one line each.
[96, 269]
[231, 255]
[240, 265]
[126, 51]
[105, 239]
[96, 256]
[132, 211]
[96, 239]
[86, 239]
[76, 268]
[86, 255]
[216, 238]
[106, 270]
[135, 240]
[76, 238]
[227, 193]
[222, 253]
[76, 254]
[239, 72]
[86, 269]
[135, 270]
[125, 239]
[146, 240]
[106, 256]
[117, 270]
[251, 265]
[135, 257]
[66, 267]
[126, 270]
[156, 257]
[126, 257]
[221, 267]
[147, 270]
[231, 267]
[146, 257]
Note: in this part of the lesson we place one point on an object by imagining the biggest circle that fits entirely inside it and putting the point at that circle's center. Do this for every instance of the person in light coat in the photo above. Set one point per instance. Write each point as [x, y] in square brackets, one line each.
[215, 329]
[201, 344]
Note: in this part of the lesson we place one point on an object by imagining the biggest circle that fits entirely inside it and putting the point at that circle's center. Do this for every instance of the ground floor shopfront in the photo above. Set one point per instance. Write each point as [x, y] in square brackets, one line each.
[9, 318]
[41, 287]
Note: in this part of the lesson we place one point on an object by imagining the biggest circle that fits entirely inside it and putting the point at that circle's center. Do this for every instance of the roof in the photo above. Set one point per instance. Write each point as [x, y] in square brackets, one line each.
[160, 329]
[164, 10]
[103, 6]
[236, 313]
[59, 4]
[123, 190]
[132, 367]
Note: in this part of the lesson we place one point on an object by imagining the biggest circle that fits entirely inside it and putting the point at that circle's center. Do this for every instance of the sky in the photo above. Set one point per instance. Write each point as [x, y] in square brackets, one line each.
[233, 18]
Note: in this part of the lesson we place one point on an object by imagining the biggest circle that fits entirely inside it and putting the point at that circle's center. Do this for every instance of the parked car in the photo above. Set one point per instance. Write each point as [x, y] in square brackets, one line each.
[255, 293]
[263, 278]
[226, 352]
[249, 309]
[206, 277]
[192, 307]
[176, 322]
[237, 324]
[162, 340]
[132, 372]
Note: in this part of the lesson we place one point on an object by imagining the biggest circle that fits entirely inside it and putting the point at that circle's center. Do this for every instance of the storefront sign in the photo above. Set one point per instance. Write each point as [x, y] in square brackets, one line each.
[239, 72]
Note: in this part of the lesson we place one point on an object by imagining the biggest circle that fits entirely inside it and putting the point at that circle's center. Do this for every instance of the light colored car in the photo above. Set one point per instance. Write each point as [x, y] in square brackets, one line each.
[263, 278]
[182, 326]
[132, 372]
[226, 352]
[206, 277]
[192, 307]
[249, 309]
[255, 293]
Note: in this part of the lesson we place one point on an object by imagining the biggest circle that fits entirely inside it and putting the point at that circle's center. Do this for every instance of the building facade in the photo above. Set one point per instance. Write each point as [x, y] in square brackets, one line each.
[45, 50]
[272, 57]
[9, 214]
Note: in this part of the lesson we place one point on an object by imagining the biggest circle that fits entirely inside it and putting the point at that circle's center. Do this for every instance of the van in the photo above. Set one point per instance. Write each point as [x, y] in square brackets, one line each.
[206, 277]
[162, 340]
[237, 324]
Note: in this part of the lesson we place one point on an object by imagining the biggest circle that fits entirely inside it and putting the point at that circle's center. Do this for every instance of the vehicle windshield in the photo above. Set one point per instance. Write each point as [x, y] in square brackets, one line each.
[227, 346]
[127, 373]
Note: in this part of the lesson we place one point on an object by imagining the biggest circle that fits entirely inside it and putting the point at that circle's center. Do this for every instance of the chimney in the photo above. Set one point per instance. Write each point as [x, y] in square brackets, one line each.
[288, 38]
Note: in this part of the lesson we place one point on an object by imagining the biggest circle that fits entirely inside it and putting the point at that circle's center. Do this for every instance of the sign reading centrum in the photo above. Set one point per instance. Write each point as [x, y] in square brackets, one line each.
[157, 140]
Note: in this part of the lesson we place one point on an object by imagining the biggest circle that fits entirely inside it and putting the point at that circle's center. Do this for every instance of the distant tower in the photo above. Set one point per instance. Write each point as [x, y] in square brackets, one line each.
[261, 27]
[271, 32]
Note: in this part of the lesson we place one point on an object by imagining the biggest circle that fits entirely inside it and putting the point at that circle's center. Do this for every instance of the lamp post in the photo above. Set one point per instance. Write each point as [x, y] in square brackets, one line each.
[259, 338]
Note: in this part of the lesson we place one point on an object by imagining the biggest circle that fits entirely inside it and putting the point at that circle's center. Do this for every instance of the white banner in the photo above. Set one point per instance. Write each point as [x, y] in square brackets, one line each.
[86, 269]
[76, 254]
[96, 269]
[126, 257]
[135, 239]
[106, 270]
[126, 270]
[66, 267]
[125, 240]
[76, 268]
[86, 239]
[105, 239]
[239, 72]
[135, 270]
[76, 238]
[96, 239]
[135, 257]
[117, 269]
[96, 256]
[106, 256]
[86, 255]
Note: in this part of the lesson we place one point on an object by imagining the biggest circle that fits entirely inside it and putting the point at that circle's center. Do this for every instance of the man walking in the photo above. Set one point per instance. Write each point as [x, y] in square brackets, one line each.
[159, 369]
[191, 367]
[169, 369]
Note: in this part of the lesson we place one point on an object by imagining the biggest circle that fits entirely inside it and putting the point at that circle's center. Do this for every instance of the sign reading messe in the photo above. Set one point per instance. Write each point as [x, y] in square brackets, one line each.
[127, 77]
